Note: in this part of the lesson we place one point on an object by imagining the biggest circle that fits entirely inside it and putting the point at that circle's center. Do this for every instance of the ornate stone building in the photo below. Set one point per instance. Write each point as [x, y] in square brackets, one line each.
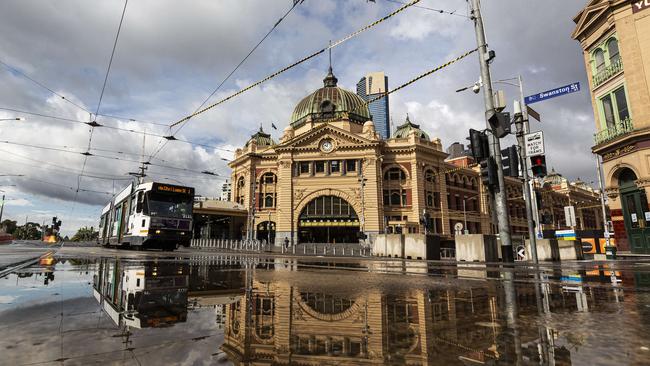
[615, 38]
[331, 176]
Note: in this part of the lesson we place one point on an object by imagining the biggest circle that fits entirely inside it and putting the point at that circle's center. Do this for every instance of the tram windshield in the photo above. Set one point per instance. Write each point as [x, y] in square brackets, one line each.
[169, 205]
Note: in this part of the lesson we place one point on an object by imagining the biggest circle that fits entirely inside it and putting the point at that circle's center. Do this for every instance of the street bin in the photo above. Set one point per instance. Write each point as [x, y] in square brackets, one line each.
[610, 252]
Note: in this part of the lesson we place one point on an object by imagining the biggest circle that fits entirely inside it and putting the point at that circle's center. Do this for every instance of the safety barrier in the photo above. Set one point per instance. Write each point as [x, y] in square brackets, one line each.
[330, 250]
[231, 245]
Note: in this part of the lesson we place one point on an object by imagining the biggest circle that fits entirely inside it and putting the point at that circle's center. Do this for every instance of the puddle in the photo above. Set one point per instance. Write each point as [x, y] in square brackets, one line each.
[228, 310]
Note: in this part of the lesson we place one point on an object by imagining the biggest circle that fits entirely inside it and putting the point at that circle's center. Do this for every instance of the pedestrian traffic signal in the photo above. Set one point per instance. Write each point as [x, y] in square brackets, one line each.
[510, 161]
[500, 123]
[489, 173]
[538, 166]
[478, 145]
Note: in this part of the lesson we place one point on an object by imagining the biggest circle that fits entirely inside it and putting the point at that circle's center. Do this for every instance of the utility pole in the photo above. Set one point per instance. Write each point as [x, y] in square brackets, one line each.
[2, 208]
[521, 117]
[251, 219]
[608, 246]
[498, 196]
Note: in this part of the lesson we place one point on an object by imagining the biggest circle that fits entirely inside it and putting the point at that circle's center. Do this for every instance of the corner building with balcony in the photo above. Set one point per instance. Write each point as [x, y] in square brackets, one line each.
[615, 38]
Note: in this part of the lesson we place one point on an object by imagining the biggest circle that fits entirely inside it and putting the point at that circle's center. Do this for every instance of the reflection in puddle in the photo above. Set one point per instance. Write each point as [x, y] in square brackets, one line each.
[233, 310]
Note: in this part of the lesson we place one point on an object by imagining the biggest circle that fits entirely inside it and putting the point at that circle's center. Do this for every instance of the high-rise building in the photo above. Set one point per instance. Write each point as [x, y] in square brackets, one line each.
[615, 38]
[225, 191]
[369, 87]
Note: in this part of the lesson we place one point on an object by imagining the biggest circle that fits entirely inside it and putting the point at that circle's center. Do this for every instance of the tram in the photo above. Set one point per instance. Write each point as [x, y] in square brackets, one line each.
[148, 215]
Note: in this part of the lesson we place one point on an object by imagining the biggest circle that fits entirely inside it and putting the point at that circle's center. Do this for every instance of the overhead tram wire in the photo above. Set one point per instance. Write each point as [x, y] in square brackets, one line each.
[44, 165]
[273, 75]
[70, 120]
[166, 141]
[63, 97]
[440, 11]
[13, 69]
[99, 104]
[421, 76]
[87, 154]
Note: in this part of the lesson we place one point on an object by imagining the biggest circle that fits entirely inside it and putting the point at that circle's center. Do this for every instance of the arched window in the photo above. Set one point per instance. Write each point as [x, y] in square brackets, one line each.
[612, 49]
[599, 58]
[268, 190]
[395, 174]
[241, 190]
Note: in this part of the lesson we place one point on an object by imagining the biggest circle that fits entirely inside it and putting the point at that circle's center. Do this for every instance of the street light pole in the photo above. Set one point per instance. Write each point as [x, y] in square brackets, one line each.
[608, 247]
[2, 208]
[521, 117]
[498, 195]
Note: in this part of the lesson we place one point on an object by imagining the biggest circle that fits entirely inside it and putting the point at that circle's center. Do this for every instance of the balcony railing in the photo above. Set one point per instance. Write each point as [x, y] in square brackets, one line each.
[613, 132]
[611, 70]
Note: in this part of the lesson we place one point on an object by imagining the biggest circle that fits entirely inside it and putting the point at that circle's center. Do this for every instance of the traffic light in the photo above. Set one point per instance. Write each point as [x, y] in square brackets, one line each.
[489, 173]
[478, 145]
[538, 166]
[500, 123]
[510, 161]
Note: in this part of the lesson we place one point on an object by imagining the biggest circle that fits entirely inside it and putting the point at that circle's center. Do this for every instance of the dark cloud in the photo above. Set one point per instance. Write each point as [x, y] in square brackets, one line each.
[171, 56]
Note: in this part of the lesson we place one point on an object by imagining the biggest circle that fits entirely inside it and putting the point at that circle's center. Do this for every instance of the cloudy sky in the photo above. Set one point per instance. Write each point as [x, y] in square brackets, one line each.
[171, 55]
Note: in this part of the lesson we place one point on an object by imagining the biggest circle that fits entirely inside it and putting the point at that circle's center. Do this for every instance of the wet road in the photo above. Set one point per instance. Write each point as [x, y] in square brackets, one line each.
[92, 305]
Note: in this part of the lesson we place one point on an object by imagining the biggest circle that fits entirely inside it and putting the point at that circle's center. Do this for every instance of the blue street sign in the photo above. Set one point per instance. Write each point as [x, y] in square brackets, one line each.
[571, 88]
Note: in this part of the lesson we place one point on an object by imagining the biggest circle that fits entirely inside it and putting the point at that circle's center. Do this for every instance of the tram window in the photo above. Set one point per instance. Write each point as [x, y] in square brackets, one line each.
[304, 167]
[319, 167]
[335, 166]
[350, 165]
[140, 202]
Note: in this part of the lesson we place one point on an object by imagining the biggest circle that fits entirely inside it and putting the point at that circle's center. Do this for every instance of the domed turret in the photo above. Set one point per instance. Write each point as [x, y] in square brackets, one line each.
[261, 139]
[403, 131]
[330, 102]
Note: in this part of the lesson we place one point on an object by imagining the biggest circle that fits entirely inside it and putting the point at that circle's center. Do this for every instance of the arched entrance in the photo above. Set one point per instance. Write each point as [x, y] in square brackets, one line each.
[328, 219]
[636, 213]
[266, 231]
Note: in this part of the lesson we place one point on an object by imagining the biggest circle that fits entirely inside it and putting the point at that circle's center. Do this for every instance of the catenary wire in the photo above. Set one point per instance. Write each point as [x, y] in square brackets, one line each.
[441, 11]
[76, 121]
[166, 141]
[271, 76]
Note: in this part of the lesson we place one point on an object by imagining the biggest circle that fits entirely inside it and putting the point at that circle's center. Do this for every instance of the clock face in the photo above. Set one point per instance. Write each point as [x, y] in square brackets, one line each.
[326, 145]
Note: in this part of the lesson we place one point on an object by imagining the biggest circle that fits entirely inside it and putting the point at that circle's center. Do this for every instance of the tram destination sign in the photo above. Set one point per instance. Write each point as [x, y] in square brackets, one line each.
[167, 188]
[563, 90]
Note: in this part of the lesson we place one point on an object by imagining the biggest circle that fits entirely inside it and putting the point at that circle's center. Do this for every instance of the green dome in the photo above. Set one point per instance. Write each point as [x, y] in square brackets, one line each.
[330, 102]
[403, 131]
[261, 138]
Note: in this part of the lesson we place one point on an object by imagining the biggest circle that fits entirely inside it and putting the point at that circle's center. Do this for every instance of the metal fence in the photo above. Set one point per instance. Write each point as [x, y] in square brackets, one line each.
[331, 250]
[231, 245]
[257, 246]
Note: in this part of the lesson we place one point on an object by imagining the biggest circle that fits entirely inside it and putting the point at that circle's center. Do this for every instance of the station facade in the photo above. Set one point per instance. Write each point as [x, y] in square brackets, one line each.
[615, 38]
[332, 176]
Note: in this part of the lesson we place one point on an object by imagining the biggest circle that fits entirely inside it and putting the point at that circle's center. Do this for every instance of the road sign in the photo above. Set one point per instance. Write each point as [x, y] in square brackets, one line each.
[521, 253]
[534, 143]
[567, 89]
[570, 216]
[533, 114]
[565, 234]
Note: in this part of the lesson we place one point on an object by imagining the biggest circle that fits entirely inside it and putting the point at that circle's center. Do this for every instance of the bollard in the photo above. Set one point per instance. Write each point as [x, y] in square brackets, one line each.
[334, 250]
[314, 249]
[344, 251]
[282, 249]
[293, 249]
[324, 250]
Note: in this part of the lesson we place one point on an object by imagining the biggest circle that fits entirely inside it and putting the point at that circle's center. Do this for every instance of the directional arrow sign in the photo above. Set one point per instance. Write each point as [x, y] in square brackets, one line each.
[567, 89]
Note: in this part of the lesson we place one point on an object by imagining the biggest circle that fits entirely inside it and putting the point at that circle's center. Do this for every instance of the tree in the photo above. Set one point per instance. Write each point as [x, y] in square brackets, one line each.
[8, 226]
[29, 231]
[85, 234]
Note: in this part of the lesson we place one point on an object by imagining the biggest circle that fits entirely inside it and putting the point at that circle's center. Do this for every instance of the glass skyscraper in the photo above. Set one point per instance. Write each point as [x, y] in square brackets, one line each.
[368, 88]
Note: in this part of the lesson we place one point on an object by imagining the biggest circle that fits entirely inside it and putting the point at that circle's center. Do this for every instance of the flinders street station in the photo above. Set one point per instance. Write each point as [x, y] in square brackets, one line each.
[331, 176]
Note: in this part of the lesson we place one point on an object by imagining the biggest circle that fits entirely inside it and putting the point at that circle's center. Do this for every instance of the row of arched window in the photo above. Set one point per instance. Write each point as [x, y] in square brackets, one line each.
[605, 55]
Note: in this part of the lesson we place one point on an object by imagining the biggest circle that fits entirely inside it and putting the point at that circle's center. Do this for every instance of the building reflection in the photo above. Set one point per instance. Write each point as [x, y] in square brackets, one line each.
[307, 319]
